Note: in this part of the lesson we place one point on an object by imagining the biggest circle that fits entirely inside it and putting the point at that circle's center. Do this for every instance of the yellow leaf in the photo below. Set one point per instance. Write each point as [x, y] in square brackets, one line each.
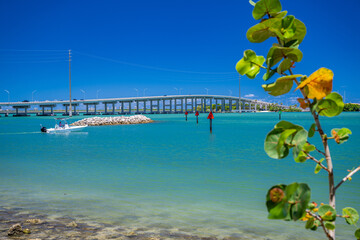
[319, 83]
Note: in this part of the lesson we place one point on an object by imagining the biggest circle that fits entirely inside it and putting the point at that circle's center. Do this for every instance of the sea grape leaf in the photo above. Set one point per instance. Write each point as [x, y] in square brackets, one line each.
[298, 142]
[329, 225]
[287, 125]
[276, 53]
[279, 14]
[308, 147]
[264, 7]
[299, 201]
[276, 202]
[310, 223]
[340, 135]
[262, 31]
[318, 167]
[319, 83]
[312, 130]
[280, 87]
[268, 74]
[301, 157]
[271, 144]
[327, 213]
[300, 32]
[283, 136]
[250, 64]
[331, 106]
[351, 215]
[357, 233]
[288, 27]
[284, 66]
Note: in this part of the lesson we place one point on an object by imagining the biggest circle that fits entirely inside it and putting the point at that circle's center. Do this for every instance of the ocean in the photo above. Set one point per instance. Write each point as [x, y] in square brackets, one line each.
[171, 174]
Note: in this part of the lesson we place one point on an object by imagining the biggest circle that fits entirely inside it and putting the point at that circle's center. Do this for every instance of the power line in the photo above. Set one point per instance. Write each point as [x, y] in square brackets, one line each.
[31, 50]
[150, 67]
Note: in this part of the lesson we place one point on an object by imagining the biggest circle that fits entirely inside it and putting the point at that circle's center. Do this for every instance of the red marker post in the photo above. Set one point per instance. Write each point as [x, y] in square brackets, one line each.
[186, 113]
[211, 117]
[197, 117]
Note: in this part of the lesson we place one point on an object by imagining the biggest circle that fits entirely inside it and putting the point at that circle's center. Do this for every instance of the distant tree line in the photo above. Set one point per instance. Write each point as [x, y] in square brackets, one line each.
[351, 107]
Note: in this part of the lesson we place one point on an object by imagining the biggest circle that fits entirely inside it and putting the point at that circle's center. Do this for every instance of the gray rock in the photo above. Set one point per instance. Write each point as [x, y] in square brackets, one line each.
[15, 230]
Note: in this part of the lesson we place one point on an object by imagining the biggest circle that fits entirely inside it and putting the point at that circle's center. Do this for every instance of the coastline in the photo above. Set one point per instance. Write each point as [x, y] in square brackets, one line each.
[44, 226]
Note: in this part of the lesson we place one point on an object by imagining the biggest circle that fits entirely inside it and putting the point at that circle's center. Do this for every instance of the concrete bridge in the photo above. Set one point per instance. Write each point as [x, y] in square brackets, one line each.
[140, 105]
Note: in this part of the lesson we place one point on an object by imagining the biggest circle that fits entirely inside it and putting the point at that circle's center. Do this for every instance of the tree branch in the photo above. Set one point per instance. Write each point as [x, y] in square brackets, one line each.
[317, 161]
[322, 224]
[319, 151]
[347, 177]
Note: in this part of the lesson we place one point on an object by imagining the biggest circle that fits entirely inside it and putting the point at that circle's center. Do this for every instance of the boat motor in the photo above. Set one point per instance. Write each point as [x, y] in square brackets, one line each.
[43, 129]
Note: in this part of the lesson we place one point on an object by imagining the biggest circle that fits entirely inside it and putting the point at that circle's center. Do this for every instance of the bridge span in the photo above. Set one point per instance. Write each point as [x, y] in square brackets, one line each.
[139, 105]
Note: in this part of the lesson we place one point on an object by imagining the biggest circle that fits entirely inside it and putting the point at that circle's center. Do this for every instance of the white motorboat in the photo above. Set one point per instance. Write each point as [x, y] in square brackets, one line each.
[62, 126]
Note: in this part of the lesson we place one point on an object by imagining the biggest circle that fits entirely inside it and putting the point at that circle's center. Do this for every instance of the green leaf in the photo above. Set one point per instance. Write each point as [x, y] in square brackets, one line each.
[279, 14]
[301, 157]
[271, 144]
[298, 142]
[351, 215]
[340, 135]
[300, 32]
[299, 201]
[287, 125]
[276, 202]
[288, 27]
[357, 233]
[317, 223]
[312, 130]
[283, 137]
[269, 74]
[284, 66]
[279, 87]
[327, 213]
[310, 223]
[276, 53]
[262, 31]
[308, 147]
[329, 225]
[250, 64]
[331, 106]
[264, 7]
[318, 167]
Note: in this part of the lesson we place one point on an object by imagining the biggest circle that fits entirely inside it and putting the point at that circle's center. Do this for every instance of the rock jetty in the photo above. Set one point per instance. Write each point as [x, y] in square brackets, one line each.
[100, 121]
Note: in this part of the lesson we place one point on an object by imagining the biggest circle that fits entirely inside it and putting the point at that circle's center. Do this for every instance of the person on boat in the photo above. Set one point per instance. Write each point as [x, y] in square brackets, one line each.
[60, 124]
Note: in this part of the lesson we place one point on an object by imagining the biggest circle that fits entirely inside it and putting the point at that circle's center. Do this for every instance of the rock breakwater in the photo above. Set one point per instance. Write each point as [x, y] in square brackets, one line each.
[100, 121]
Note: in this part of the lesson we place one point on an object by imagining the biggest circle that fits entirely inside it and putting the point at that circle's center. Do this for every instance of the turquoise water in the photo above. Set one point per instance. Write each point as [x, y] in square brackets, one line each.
[170, 174]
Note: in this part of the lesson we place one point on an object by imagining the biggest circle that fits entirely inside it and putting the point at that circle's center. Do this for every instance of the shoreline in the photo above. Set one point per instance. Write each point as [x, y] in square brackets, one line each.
[43, 226]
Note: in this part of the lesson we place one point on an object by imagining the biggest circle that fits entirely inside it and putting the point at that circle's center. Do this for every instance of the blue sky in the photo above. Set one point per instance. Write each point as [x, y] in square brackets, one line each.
[118, 46]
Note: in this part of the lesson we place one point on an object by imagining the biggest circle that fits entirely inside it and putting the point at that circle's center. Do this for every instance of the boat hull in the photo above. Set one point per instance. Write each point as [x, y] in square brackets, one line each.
[65, 130]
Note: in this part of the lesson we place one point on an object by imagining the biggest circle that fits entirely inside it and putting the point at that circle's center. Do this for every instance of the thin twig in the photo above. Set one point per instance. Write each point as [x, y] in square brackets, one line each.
[321, 222]
[347, 177]
[317, 161]
[320, 151]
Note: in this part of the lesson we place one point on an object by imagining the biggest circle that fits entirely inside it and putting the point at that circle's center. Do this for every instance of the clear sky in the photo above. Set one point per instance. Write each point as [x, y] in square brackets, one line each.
[119, 46]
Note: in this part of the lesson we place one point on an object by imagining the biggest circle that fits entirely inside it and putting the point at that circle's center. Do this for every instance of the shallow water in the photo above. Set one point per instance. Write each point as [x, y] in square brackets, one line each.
[170, 174]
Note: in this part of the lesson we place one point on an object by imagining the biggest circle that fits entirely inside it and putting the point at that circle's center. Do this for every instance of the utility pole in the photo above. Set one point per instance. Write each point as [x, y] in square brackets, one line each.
[239, 95]
[70, 112]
